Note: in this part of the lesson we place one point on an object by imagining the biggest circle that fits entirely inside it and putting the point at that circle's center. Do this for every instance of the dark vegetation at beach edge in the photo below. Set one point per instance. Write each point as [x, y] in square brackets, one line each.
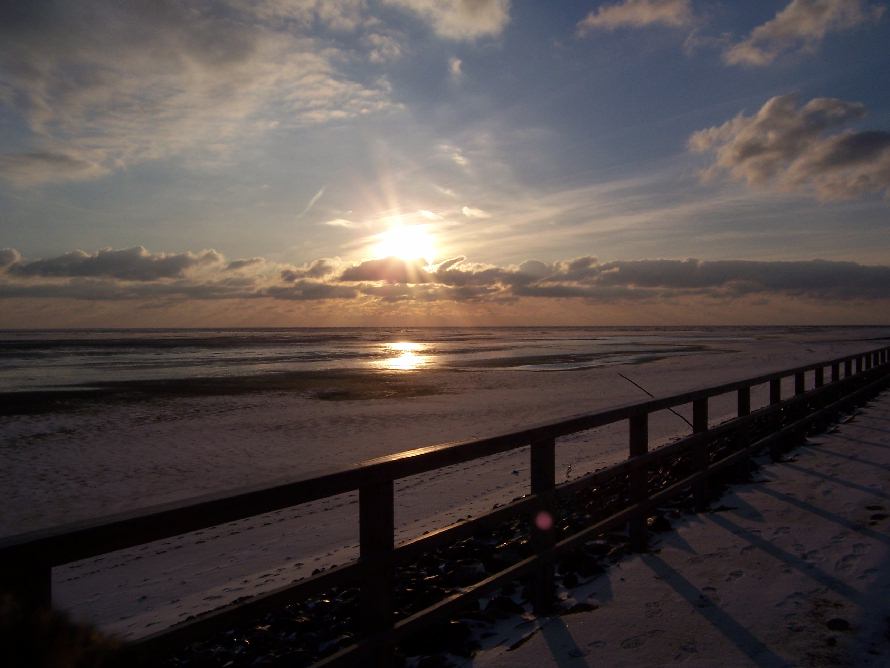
[322, 385]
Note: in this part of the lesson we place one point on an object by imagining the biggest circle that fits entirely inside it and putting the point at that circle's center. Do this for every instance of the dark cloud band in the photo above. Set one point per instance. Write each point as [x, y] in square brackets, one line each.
[137, 273]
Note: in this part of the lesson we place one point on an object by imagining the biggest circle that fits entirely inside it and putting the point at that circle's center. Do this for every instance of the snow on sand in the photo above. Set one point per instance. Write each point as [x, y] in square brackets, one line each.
[792, 569]
[61, 467]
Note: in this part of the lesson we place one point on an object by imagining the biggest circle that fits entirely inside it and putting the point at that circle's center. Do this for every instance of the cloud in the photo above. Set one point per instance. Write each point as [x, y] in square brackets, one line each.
[9, 257]
[810, 278]
[237, 265]
[384, 48]
[311, 291]
[447, 264]
[470, 212]
[131, 264]
[312, 202]
[455, 68]
[801, 27]
[337, 15]
[389, 269]
[136, 274]
[342, 222]
[638, 14]
[315, 269]
[460, 19]
[787, 147]
[34, 167]
[454, 154]
[163, 79]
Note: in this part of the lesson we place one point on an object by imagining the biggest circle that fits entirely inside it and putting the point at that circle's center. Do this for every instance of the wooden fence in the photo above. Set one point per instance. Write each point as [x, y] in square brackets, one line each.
[26, 561]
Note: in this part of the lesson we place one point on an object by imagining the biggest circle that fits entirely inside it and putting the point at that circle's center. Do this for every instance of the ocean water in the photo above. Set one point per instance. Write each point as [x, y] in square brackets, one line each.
[66, 359]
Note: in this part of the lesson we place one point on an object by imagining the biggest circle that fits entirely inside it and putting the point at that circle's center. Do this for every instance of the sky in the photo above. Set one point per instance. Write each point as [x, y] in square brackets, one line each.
[444, 162]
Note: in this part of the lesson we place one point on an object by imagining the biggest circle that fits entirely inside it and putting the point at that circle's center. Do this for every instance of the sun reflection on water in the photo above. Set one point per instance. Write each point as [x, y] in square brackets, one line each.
[404, 356]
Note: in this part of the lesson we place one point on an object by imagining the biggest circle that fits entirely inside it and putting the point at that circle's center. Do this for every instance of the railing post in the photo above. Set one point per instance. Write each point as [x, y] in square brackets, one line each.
[638, 428]
[376, 542]
[820, 376]
[775, 391]
[743, 410]
[701, 458]
[859, 364]
[835, 372]
[543, 482]
[744, 401]
[799, 383]
[848, 368]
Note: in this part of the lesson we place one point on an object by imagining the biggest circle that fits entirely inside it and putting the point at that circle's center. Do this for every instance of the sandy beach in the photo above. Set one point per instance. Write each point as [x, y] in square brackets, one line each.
[789, 569]
[112, 453]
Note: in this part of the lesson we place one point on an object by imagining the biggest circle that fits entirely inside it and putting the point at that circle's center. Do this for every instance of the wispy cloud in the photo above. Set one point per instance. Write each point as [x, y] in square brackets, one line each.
[312, 202]
[342, 222]
[384, 48]
[471, 212]
[460, 19]
[800, 27]
[638, 14]
[162, 79]
[455, 68]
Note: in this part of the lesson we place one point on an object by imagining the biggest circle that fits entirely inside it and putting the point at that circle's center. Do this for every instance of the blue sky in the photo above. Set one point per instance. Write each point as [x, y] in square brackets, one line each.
[179, 163]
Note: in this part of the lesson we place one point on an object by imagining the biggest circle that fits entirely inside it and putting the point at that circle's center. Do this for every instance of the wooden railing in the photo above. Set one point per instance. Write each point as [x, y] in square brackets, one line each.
[26, 560]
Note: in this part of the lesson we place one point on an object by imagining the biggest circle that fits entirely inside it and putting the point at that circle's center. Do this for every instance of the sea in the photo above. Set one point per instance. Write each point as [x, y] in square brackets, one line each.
[32, 360]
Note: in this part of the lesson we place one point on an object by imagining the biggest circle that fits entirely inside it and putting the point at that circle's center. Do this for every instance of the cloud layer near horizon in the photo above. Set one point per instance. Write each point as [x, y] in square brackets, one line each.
[137, 273]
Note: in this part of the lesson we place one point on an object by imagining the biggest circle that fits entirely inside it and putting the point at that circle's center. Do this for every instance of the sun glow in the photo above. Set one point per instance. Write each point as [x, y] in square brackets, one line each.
[406, 242]
[403, 356]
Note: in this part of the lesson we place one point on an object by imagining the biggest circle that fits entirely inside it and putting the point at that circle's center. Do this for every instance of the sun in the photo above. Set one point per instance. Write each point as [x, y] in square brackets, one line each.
[406, 242]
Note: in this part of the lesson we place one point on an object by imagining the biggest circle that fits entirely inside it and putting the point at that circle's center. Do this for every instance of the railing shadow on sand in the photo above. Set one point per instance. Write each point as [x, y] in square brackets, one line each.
[623, 494]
